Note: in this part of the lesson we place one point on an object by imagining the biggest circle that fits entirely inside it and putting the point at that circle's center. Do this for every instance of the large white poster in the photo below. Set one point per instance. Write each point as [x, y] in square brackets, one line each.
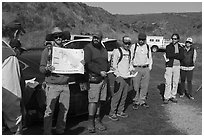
[67, 61]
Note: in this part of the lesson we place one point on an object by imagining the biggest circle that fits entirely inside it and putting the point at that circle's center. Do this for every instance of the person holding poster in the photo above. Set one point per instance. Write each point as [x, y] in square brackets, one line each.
[56, 86]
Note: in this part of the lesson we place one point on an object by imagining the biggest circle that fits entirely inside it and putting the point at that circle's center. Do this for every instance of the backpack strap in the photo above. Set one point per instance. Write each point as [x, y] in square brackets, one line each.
[147, 50]
[129, 55]
[134, 51]
[121, 55]
[136, 48]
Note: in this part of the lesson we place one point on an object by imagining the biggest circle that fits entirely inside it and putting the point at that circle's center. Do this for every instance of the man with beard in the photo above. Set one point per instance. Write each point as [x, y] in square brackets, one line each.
[96, 64]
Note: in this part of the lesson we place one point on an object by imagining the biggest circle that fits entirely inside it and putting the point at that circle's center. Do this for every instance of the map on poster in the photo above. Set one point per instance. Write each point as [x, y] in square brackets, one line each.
[67, 61]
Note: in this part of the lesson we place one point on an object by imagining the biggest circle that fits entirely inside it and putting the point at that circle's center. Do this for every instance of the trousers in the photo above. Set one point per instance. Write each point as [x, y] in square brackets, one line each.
[52, 93]
[171, 76]
[186, 74]
[120, 94]
[140, 84]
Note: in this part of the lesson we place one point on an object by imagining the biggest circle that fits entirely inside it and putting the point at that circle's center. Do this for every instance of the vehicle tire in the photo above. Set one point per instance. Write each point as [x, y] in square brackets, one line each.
[154, 49]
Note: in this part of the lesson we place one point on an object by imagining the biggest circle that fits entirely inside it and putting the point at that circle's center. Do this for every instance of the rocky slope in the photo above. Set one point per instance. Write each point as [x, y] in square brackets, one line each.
[40, 17]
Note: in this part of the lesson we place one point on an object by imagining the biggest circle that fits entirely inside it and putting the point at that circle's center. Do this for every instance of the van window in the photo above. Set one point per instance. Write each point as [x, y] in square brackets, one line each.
[152, 40]
[157, 40]
[81, 37]
[77, 44]
[111, 45]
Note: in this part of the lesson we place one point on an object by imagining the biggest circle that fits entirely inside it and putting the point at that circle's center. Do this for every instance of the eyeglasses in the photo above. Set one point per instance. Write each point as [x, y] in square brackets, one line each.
[142, 39]
[127, 43]
[174, 39]
[189, 42]
[56, 36]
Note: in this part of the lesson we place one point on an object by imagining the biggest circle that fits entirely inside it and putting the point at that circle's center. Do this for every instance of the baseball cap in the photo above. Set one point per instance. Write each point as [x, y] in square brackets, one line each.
[126, 40]
[15, 26]
[189, 40]
[142, 36]
[98, 34]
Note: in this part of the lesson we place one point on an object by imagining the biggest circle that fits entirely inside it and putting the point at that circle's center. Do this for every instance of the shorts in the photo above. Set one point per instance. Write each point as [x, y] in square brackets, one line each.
[97, 92]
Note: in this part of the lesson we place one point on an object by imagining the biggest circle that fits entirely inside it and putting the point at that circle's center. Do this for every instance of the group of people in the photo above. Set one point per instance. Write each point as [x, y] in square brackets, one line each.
[180, 62]
[130, 63]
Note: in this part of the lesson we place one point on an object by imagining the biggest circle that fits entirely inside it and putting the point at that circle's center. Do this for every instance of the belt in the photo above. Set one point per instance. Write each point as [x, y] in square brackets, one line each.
[144, 66]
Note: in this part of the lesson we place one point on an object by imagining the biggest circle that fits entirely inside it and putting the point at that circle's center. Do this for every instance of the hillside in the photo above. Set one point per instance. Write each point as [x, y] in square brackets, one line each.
[186, 24]
[39, 18]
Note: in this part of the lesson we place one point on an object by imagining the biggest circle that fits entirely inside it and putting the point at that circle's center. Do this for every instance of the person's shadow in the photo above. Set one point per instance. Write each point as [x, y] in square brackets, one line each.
[161, 88]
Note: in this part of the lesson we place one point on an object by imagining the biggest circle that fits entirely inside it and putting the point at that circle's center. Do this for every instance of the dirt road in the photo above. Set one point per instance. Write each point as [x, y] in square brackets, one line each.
[183, 118]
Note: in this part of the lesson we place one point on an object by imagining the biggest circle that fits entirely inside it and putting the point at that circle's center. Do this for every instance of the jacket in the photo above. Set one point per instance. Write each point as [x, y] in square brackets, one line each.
[171, 55]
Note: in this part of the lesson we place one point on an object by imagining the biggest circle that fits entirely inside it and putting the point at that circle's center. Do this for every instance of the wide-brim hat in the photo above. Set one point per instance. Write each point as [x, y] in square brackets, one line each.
[56, 30]
[65, 35]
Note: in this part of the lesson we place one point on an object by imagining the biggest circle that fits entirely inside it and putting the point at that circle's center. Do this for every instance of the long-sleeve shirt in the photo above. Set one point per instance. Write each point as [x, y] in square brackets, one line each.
[141, 58]
[96, 60]
[51, 78]
[121, 68]
[171, 55]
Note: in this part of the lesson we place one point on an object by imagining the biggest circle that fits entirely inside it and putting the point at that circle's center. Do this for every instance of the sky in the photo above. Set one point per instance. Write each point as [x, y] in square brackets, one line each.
[147, 7]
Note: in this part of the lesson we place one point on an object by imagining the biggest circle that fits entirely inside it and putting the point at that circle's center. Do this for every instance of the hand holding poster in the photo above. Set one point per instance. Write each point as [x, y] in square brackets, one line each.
[67, 61]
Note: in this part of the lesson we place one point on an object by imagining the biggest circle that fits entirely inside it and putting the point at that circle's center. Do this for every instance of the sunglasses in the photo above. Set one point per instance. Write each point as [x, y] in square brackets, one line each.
[56, 36]
[127, 43]
[189, 42]
[174, 39]
[142, 39]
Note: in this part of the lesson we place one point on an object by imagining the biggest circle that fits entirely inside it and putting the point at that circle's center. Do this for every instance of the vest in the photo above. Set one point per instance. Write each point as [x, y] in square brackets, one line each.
[188, 58]
[6, 51]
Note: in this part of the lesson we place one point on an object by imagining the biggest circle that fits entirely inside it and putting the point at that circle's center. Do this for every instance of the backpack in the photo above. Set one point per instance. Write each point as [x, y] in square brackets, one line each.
[121, 55]
[136, 48]
[111, 77]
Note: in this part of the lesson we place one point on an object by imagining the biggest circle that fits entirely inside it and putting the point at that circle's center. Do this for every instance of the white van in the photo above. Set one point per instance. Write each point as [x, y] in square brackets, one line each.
[157, 42]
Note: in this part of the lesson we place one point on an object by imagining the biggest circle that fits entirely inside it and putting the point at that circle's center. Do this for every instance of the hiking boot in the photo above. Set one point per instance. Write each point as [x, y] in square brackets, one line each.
[99, 125]
[135, 106]
[122, 114]
[166, 101]
[182, 95]
[59, 132]
[145, 105]
[173, 100]
[113, 117]
[91, 128]
[190, 96]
